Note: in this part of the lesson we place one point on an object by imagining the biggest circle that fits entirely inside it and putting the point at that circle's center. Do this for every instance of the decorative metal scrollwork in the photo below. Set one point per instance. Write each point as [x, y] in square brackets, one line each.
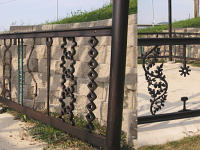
[92, 84]
[7, 62]
[68, 73]
[30, 71]
[185, 70]
[157, 84]
[63, 94]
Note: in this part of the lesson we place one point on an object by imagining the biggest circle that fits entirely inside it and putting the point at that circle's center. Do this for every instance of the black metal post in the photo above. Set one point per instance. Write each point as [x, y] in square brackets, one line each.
[170, 27]
[117, 74]
[184, 56]
[49, 42]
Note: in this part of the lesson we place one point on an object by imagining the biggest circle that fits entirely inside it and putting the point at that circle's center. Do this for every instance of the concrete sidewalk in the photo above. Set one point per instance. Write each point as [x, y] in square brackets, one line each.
[13, 135]
[178, 86]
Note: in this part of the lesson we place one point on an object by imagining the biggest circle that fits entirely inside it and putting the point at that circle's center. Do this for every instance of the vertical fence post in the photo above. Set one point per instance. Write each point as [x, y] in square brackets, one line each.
[170, 27]
[117, 74]
[49, 42]
[19, 72]
[22, 72]
[184, 56]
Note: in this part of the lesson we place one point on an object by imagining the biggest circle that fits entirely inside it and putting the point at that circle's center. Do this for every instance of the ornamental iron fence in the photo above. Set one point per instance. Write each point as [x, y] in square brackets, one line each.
[156, 79]
[117, 74]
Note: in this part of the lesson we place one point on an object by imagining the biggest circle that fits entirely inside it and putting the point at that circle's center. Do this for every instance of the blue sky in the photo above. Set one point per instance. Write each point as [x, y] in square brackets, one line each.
[181, 9]
[28, 12]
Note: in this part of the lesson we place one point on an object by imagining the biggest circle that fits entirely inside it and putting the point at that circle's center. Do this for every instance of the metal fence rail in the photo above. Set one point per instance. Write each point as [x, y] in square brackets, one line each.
[166, 34]
[176, 42]
[167, 41]
[78, 32]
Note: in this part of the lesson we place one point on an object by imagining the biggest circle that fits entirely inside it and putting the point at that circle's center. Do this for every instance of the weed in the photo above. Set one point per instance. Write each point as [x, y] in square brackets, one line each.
[56, 138]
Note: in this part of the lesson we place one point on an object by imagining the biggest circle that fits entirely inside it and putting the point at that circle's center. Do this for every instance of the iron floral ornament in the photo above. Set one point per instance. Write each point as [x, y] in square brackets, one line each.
[157, 84]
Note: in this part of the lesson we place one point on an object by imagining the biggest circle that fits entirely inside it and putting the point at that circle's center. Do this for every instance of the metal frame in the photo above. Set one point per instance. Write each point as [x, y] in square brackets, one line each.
[167, 41]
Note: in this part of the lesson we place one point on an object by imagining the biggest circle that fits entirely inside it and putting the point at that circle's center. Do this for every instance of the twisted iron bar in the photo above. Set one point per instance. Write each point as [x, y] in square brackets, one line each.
[6, 92]
[63, 94]
[92, 84]
[30, 72]
[70, 75]
[157, 84]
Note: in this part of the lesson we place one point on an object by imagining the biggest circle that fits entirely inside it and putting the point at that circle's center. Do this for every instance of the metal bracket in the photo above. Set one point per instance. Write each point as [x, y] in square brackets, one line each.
[184, 100]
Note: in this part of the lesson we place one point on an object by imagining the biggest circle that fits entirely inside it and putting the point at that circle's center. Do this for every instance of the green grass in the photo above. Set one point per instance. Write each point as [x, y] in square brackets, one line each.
[188, 143]
[194, 23]
[100, 14]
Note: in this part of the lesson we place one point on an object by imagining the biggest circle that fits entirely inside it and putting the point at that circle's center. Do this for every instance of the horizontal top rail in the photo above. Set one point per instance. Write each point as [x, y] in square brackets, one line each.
[167, 33]
[168, 41]
[78, 32]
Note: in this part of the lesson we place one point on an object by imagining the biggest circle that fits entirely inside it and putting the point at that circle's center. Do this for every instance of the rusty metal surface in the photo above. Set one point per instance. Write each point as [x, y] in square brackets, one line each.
[80, 133]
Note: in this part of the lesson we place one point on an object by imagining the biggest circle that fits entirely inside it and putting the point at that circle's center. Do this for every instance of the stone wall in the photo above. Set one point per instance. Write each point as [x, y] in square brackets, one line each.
[38, 64]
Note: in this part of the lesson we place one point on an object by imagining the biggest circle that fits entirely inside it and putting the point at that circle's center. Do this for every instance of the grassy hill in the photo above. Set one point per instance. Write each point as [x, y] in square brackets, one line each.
[99, 14]
[194, 22]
